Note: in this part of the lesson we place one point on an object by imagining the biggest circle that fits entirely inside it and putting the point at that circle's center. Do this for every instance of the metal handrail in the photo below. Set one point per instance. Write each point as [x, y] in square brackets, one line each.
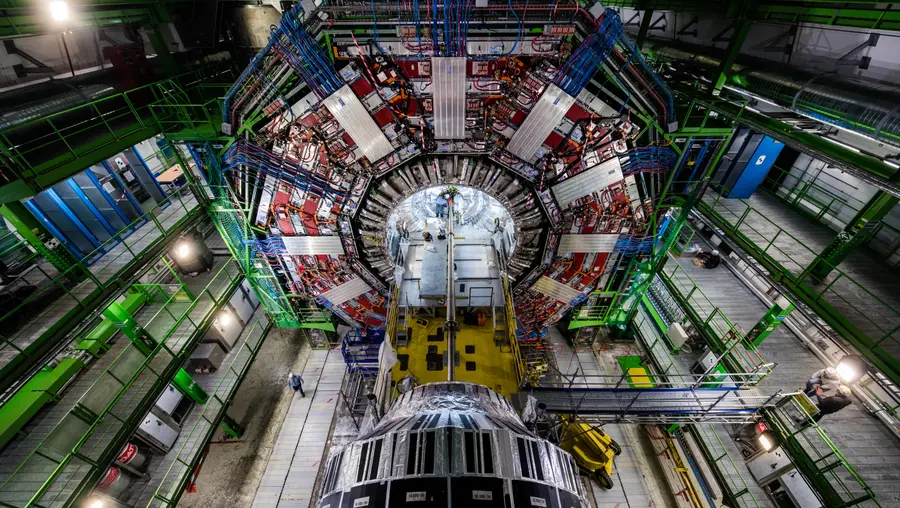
[796, 270]
[93, 420]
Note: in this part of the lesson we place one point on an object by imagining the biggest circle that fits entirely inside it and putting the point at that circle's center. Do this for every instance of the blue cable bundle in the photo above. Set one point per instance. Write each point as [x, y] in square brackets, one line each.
[582, 65]
[660, 87]
[648, 159]
[313, 58]
[290, 41]
[244, 155]
[631, 245]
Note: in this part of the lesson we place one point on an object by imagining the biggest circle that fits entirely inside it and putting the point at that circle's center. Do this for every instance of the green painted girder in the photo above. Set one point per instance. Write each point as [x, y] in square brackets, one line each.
[859, 229]
[807, 143]
[41, 345]
[867, 346]
[58, 169]
[871, 15]
[26, 24]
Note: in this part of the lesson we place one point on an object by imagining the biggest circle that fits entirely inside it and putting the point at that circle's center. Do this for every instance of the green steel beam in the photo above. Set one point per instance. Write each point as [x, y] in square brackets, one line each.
[880, 357]
[731, 53]
[870, 15]
[859, 229]
[29, 228]
[816, 146]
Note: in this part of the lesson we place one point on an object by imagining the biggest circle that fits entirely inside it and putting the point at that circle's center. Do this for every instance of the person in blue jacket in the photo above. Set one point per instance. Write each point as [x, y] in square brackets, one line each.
[296, 383]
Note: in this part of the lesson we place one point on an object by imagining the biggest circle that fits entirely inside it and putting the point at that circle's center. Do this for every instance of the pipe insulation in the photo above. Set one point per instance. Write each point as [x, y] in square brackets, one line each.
[52, 105]
[853, 103]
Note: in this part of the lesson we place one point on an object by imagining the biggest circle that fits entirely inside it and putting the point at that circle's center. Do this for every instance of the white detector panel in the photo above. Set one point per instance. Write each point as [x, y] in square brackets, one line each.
[353, 118]
[587, 243]
[346, 291]
[544, 117]
[584, 184]
[313, 245]
[556, 290]
[449, 77]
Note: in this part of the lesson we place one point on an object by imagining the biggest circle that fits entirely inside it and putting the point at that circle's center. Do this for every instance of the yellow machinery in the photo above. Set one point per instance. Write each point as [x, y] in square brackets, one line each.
[592, 449]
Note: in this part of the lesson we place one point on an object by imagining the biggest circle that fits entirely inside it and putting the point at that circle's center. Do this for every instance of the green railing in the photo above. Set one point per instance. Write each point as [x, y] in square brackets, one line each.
[864, 318]
[62, 297]
[724, 338]
[66, 463]
[816, 455]
[725, 470]
[173, 484]
[34, 149]
[819, 203]
[735, 488]
[232, 224]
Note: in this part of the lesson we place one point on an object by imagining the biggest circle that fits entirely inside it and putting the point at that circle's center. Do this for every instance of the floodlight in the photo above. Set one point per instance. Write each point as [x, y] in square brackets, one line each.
[851, 368]
[767, 440]
[59, 10]
[183, 250]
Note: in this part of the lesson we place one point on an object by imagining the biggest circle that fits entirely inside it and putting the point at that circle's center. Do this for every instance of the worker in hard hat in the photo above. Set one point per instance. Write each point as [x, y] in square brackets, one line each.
[829, 404]
[826, 379]
[441, 205]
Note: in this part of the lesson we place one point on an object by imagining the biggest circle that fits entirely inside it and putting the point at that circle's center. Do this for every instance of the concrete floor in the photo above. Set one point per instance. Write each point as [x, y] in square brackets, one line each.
[232, 470]
[637, 479]
[867, 445]
[863, 290]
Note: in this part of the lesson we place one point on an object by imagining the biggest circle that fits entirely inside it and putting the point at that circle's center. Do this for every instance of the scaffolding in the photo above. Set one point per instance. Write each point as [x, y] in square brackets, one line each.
[69, 451]
[62, 299]
[862, 317]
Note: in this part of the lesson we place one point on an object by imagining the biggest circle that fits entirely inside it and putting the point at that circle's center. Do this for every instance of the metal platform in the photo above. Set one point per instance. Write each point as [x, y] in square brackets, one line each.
[294, 464]
[656, 405]
[104, 271]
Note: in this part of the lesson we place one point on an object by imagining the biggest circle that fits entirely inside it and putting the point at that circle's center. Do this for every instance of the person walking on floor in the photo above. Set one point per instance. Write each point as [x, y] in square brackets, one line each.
[296, 383]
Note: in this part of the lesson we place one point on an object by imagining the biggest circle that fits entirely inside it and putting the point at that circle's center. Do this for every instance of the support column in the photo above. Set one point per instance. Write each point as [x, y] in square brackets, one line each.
[857, 231]
[451, 326]
[734, 49]
[645, 27]
[234, 429]
[125, 322]
[186, 385]
[29, 228]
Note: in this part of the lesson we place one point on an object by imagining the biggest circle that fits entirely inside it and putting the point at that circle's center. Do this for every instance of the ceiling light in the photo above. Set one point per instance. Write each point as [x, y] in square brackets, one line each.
[59, 10]
[96, 504]
[892, 164]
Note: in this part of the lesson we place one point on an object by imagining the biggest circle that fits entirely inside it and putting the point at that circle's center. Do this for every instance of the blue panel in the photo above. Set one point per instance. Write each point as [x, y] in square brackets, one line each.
[32, 206]
[757, 168]
[125, 201]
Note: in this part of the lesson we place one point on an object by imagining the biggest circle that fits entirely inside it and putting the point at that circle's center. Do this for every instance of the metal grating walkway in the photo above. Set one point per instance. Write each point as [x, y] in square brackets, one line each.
[105, 269]
[868, 298]
[294, 464]
[629, 485]
[867, 445]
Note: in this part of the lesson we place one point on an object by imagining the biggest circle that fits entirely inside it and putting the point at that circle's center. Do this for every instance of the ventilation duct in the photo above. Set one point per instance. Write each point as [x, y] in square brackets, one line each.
[55, 104]
[861, 105]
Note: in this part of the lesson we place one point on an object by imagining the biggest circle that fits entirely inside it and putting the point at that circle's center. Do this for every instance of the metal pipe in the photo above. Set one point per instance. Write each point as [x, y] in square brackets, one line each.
[852, 103]
[450, 326]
